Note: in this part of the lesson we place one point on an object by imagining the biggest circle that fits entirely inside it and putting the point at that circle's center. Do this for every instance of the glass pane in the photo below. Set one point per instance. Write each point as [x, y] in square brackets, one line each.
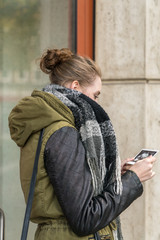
[27, 28]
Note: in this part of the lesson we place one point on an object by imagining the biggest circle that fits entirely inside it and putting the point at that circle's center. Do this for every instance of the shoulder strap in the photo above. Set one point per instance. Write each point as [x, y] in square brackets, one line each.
[31, 190]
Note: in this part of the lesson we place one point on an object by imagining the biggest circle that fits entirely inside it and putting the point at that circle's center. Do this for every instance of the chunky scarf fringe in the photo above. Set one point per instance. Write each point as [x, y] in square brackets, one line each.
[98, 137]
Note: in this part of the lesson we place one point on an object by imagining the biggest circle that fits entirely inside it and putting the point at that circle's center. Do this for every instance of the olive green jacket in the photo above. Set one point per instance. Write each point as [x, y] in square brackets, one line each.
[25, 122]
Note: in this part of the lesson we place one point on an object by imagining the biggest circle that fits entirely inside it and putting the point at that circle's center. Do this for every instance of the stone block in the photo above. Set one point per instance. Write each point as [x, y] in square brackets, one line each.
[120, 38]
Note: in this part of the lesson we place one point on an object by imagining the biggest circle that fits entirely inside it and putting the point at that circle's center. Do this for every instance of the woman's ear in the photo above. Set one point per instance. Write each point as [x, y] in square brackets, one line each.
[75, 85]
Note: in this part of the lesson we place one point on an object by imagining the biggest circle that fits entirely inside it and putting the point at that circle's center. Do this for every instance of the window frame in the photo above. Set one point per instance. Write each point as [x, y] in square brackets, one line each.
[85, 28]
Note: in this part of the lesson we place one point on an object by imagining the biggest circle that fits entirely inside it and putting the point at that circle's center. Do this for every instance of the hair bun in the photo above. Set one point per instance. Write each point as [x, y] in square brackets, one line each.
[54, 57]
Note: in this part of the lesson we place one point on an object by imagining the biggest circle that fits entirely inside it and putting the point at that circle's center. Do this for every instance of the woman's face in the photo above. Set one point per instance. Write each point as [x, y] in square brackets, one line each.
[93, 91]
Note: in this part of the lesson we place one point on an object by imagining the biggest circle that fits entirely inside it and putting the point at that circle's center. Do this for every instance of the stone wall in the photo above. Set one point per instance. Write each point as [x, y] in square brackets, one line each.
[128, 52]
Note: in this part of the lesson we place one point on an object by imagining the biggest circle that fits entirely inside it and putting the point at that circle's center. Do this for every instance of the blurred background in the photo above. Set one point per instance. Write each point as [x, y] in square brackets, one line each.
[123, 37]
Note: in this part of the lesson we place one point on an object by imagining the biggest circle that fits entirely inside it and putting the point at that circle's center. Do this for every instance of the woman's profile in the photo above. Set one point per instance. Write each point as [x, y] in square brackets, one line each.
[82, 187]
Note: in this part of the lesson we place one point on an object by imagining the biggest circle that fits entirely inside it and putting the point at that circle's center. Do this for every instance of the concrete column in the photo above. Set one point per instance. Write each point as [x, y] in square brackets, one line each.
[128, 52]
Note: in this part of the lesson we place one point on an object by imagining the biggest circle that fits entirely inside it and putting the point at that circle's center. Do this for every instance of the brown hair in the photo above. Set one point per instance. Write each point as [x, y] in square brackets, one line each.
[63, 66]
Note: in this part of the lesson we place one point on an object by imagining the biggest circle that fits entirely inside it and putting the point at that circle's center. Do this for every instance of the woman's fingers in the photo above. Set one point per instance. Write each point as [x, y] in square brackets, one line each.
[152, 159]
[124, 162]
[143, 168]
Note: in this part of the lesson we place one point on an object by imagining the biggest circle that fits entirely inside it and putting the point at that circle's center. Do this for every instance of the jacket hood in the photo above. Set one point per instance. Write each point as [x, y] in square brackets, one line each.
[35, 112]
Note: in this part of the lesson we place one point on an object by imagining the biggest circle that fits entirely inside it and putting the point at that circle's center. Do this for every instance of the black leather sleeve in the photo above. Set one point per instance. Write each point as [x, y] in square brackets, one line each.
[71, 179]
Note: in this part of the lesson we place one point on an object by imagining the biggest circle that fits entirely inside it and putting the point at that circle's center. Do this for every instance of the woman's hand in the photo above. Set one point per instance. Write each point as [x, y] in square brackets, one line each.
[143, 168]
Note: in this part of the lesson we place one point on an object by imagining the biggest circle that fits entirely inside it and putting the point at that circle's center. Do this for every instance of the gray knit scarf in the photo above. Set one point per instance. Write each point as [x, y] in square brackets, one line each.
[98, 137]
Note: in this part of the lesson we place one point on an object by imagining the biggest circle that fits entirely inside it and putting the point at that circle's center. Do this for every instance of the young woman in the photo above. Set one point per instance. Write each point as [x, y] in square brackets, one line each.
[79, 191]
